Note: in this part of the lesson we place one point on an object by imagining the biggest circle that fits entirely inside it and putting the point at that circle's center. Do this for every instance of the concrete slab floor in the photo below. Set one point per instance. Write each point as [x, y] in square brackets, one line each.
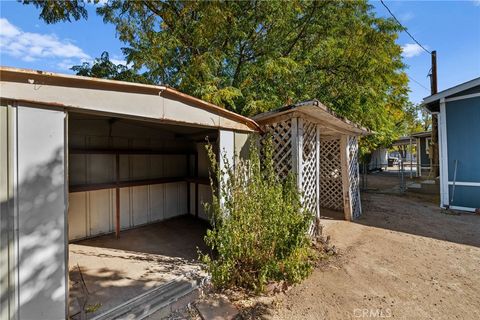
[116, 270]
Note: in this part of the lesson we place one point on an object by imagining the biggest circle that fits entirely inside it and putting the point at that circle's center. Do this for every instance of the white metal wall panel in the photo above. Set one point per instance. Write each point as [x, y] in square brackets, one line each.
[100, 210]
[175, 165]
[227, 155]
[192, 198]
[157, 201]
[124, 161]
[171, 199]
[77, 169]
[77, 219]
[7, 191]
[100, 168]
[41, 214]
[156, 165]
[125, 208]
[140, 205]
[242, 145]
[182, 198]
[139, 167]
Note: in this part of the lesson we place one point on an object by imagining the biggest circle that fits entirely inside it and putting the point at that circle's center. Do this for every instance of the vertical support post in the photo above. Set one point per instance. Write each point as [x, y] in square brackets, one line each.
[317, 144]
[358, 177]
[434, 156]
[443, 149]
[8, 189]
[187, 172]
[226, 153]
[117, 195]
[300, 154]
[419, 160]
[297, 150]
[196, 184]
[344, 162]
[294, 143]
[411, 162]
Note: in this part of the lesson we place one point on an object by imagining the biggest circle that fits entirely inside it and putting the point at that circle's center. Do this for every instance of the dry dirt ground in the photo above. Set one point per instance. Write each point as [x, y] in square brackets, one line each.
[403, 259]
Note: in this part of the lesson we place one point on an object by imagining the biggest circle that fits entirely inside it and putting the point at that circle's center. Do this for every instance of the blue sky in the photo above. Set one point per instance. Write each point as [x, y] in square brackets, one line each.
[450, 27]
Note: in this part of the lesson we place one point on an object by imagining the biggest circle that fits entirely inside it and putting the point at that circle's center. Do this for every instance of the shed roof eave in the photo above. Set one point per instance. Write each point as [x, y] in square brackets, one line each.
[317, 113]
[450, 91]
[421, 134]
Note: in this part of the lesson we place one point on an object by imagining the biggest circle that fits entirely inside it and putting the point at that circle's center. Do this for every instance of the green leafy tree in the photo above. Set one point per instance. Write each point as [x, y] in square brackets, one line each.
[104, 68]
[53, 11]
[254, 56]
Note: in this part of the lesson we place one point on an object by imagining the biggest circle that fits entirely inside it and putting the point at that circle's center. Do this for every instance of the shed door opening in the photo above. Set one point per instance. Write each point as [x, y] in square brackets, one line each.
[136, 215]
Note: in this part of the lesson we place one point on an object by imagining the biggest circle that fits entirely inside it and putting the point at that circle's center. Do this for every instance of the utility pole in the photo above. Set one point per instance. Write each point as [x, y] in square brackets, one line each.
[434, 148]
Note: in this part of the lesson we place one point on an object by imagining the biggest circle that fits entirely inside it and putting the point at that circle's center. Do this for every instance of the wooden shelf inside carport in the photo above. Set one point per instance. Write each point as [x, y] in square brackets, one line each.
[135, 183]
[129, 151]
[117, 184]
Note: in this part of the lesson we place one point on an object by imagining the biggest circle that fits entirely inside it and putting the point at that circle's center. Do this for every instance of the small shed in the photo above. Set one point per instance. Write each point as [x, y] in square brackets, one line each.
[378, 159]
[321, 149]
[458, 111]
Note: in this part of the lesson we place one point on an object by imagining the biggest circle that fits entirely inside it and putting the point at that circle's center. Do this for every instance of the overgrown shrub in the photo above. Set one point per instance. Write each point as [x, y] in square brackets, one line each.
[259, 230]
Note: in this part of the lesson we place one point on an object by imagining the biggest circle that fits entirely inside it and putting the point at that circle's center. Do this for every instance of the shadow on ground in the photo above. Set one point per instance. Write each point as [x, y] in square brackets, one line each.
[416, 214]
[178, 237]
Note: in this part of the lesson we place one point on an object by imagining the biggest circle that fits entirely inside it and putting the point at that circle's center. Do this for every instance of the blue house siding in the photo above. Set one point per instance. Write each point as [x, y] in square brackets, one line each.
[465, 196]
[463, 145]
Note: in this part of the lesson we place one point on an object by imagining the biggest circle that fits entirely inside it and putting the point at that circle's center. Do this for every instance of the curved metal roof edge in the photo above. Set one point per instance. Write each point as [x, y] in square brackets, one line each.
[204, 104]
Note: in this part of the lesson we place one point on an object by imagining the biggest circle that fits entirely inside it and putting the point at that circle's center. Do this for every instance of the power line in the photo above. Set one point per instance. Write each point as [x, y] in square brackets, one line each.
[404, 28]
[421, 85]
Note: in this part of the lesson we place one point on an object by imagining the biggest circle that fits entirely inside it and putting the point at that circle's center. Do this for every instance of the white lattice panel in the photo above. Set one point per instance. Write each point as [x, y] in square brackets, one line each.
[331, 192]
[354, 177]
[281, 135]
[309, 166]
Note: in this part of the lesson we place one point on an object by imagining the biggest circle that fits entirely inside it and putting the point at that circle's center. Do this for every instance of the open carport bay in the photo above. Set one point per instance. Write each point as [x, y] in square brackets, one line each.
[136, 216]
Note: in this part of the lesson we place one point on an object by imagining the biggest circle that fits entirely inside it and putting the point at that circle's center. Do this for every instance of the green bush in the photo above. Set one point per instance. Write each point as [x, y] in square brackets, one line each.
[259, 231]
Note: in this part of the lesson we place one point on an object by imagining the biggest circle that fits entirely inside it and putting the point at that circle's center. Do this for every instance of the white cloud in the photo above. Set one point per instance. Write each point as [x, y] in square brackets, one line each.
[405, 17]
[476, 2]
[410, 50]
[118, 60]
[66, 64]
[100, 3]
[31, 46]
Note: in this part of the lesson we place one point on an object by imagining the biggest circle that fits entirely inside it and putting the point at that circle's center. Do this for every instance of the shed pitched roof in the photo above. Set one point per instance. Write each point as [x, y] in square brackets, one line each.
[316, 112]
[57, 80]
